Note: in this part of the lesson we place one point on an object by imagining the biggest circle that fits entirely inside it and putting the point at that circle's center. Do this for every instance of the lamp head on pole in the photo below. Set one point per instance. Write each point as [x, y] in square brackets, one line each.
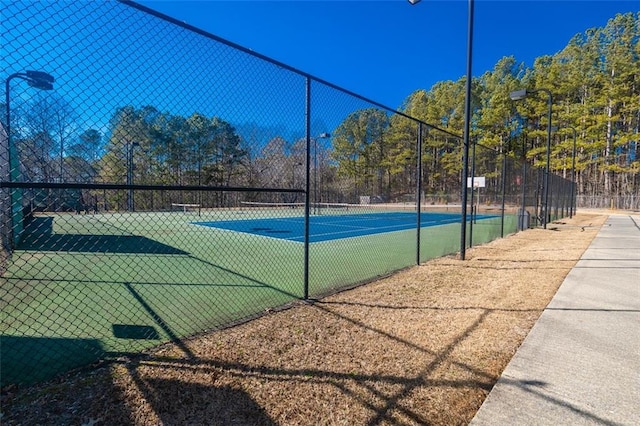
[39, 80]
[39, 84]
[518, 95]
[414, 1]
[324, 136]
[40, 76]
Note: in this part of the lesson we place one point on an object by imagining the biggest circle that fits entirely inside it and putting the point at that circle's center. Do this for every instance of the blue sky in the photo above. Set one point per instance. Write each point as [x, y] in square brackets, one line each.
[386, 49]
[106, 55]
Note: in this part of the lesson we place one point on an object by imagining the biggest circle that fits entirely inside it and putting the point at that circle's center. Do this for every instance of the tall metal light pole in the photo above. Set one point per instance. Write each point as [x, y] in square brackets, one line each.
[315, 168]
[573, 172]
[39, 80]
[573, 164]
[523, 212]
[467, 126]
[293, 179]
[130, 146]
[519, 95]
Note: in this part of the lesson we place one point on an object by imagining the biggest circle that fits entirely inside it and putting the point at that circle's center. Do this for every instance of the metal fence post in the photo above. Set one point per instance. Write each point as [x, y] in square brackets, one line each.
[467, 128]
[473, 178]
[419, 193]
[504, 189]
[307, 185]
[5, 196]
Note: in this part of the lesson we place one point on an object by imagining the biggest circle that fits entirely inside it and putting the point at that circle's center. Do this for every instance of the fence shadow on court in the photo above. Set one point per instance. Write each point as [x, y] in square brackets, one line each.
[39, 236]
[41, 358]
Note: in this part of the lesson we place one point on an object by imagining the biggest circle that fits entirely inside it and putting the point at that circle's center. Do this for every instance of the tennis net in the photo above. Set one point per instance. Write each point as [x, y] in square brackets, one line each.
[327, 209]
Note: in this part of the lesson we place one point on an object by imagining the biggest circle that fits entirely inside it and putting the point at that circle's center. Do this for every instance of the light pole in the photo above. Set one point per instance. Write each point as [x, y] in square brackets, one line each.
[293, 180]
[130, 146]
[467, 125]
[573, 167]
[39, 80]
[519, 95]
[573, 172]
[315, 168]
[523, 212]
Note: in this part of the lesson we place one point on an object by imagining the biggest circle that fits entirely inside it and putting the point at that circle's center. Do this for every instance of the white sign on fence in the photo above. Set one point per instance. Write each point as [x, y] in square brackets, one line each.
[478, 182]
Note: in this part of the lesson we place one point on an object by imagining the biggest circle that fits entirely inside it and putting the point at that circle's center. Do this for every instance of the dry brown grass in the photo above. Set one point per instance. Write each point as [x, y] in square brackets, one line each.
[424, 346]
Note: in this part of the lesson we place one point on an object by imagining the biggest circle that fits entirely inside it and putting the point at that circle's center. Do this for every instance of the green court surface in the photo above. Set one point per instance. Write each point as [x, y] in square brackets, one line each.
[85, 287]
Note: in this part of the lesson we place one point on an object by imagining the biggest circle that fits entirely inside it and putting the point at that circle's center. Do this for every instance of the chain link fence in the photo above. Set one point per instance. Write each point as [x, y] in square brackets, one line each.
[622, 202]
[158, 182]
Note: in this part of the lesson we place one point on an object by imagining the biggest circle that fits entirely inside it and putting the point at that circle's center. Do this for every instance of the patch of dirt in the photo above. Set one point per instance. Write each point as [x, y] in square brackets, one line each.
[424, 346]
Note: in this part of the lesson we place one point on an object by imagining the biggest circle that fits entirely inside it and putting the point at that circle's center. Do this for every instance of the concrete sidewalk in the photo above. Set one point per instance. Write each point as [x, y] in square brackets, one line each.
[580, 364]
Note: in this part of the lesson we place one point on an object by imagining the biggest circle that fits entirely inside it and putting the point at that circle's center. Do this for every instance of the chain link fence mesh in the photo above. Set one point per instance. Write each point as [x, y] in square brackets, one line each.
[158, 182]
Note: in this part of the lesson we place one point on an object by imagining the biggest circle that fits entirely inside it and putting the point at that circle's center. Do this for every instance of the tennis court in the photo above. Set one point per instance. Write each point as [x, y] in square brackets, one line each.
[114, 283]
[351, 222]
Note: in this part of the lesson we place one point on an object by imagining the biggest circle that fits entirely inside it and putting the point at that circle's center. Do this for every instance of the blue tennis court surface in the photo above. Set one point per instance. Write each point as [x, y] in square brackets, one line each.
[326, 228]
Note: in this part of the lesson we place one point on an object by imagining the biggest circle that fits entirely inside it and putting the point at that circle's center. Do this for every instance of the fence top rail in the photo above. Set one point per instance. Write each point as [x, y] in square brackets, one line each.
[117, 186]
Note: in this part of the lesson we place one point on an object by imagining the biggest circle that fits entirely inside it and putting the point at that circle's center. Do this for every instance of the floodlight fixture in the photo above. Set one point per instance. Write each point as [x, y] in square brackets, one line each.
[40, 84]
[518, 95]
[36, 79]
[40, 76]
[414, 1]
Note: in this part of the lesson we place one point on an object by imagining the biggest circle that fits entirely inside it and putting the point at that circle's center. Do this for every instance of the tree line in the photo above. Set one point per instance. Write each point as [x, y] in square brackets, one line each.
[594, 82]
[595, 87]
